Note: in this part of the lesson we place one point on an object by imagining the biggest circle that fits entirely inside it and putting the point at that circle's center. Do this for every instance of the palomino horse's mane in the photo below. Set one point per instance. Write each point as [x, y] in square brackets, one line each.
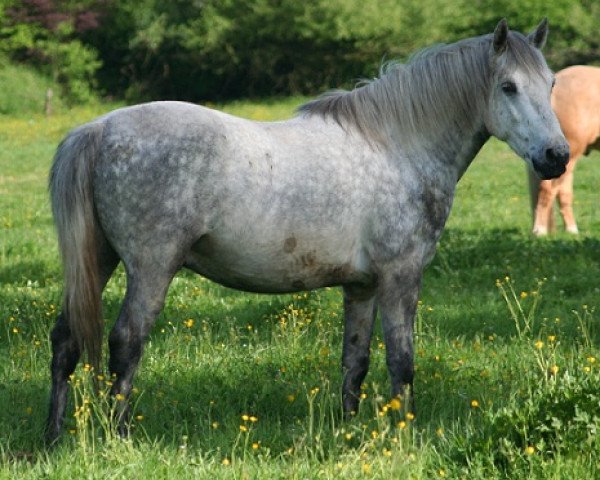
[414, 97]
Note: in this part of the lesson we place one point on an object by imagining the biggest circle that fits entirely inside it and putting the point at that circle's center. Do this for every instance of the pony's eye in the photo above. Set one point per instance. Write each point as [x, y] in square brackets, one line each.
[509, 87]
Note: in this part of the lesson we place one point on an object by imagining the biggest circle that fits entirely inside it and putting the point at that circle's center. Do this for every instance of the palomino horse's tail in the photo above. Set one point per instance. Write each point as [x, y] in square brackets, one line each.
[74, 215]
[534, 192]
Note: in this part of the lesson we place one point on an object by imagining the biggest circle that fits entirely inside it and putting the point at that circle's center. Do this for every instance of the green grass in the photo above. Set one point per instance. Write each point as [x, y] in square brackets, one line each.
[490, 296]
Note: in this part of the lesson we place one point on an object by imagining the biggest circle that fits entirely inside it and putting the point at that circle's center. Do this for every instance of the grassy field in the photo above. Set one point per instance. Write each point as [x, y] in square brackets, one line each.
[236, 385]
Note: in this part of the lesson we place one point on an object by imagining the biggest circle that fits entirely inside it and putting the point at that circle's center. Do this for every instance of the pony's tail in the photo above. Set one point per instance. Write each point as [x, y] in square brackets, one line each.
[73, 209]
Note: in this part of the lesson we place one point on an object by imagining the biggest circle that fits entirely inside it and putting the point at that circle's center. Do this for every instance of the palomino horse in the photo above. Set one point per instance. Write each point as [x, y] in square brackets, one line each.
[576, 102]
[354, 191]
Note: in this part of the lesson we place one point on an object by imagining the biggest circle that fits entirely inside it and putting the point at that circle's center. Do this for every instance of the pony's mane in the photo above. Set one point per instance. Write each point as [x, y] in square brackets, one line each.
[438, 85]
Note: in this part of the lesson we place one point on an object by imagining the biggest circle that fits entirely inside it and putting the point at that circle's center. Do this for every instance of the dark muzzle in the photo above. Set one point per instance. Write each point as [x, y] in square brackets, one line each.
[553, 163]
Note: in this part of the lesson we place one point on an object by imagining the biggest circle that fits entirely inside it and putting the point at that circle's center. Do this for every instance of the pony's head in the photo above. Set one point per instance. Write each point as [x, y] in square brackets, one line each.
[519, 110]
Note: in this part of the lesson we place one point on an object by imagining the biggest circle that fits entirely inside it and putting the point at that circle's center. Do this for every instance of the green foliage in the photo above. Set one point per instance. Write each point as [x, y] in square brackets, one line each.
[57, 51]
[71, 63]
[23, 90]
[231, 48]
[216, 49]
[574, 28]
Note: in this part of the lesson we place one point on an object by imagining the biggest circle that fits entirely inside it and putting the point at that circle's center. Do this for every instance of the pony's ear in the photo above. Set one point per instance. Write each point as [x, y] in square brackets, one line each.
[500, 37]
[538, 37]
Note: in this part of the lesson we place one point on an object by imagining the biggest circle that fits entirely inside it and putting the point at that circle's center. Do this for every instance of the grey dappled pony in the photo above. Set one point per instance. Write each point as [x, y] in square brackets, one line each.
[353, 191]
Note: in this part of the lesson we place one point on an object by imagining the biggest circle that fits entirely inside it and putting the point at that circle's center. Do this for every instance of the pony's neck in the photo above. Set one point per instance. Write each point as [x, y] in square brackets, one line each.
[455, 146]
[442, 118]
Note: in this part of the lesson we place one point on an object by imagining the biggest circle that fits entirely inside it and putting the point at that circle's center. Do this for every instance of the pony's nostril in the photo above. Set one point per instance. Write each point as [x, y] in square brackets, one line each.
[557, 155]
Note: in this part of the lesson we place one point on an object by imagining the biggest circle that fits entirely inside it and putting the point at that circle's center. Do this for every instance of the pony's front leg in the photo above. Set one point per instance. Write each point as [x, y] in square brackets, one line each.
[397, 298]
[359, 315]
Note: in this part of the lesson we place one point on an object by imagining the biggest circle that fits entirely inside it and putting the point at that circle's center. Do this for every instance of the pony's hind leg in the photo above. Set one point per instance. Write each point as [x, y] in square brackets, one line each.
[66, 353]
[359, 315]
[146, 291]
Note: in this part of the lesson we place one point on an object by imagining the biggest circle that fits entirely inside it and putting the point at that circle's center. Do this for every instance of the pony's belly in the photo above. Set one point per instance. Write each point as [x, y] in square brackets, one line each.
[258, 269]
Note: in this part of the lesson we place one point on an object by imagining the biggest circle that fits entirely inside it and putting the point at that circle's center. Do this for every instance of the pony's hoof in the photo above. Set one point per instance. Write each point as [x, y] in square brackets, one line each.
[573, 229]
[539, 231]
[51, 439]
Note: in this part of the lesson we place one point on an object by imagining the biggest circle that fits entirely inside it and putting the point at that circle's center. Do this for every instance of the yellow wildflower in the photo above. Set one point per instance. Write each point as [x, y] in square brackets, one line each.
[530, 450]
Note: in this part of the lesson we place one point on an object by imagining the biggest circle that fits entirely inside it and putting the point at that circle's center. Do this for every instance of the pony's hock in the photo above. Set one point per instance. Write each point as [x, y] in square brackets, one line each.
[354, 191]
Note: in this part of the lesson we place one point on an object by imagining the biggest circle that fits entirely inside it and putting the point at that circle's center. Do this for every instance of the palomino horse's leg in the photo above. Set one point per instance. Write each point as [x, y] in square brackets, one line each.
[397, 301]
[565, 200]
[65, 353]
[565, 195]
[146, 290]
[544, 221]
[359, 315]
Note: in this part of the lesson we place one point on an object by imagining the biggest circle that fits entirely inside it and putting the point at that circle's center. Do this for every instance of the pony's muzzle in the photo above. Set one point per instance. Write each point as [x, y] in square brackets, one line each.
[553, 163]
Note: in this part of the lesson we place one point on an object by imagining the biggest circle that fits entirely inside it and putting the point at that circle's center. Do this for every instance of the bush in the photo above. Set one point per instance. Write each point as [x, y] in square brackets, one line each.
[44, 33]
[23, 90]
[217, 49]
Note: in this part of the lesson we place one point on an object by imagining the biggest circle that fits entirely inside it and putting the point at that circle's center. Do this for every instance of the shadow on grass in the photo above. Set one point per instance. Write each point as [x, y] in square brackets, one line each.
[22, 272]
[461, 280]
[459, 286]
